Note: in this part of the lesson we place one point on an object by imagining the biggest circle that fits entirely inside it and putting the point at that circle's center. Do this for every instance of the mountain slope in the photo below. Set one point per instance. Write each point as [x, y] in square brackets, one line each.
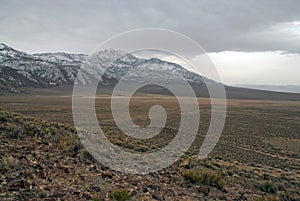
[19, 69]
[50, 71]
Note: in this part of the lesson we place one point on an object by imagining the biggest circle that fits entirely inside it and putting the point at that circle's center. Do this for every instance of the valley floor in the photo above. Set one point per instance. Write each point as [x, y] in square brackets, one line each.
[257, 157]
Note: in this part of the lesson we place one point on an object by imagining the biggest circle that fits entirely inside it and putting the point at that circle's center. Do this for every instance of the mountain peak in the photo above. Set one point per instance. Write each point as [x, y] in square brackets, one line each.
[111, 55]
[4, 46]
[114, 51]
[108, 65]
[5, 49]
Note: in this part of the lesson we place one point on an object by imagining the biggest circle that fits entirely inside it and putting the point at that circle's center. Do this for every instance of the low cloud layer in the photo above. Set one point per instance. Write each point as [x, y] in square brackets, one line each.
[247, 40]
[78, 26]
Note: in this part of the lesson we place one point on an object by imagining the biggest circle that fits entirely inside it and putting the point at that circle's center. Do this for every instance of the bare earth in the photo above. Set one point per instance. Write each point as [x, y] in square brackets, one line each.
[260, 144]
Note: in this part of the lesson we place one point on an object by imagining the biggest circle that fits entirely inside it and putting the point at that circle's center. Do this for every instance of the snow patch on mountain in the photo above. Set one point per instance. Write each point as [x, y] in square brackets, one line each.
[107, 66]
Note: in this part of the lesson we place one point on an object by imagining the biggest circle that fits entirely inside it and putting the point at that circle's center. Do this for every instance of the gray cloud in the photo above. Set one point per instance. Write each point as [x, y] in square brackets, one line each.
[78, 26]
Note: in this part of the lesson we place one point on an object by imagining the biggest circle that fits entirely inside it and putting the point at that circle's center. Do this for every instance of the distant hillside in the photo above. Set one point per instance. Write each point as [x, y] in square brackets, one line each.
[21, 72]
[279, 88]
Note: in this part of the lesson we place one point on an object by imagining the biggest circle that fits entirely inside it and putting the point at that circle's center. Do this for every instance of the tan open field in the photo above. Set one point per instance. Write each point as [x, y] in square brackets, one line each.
[260, 140]
[253, 127]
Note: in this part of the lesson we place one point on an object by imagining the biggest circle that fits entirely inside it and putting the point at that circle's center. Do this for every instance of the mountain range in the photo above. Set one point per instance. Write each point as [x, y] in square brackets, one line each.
[20, 70]
[269, 87]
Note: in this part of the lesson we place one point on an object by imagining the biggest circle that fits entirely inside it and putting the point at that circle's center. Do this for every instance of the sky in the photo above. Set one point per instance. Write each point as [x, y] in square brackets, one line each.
[250, 42]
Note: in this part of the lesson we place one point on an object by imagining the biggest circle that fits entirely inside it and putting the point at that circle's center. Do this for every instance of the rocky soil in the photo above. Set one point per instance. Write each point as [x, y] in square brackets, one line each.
[45, 161]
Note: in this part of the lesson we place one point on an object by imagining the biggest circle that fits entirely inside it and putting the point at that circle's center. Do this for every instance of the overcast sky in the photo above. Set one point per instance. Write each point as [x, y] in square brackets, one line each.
[247, 40]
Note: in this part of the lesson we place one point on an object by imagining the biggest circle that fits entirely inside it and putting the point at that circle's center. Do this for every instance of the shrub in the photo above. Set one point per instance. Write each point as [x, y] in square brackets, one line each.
[3, 117]
[32, 129]
[8, 164]
[205, 177]
[11, 130]
[96, 199]
[85, 156]
[120, 195]
[188, 163]
[70, 144]
[267, 198]
[268, 187]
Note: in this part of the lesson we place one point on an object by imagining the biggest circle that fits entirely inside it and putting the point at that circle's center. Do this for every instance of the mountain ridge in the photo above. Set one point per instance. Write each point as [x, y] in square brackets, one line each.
[21, 72]
[58, 69]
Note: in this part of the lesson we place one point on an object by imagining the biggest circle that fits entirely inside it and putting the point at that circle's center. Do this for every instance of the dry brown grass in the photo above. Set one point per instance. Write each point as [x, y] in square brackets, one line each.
[250, 134]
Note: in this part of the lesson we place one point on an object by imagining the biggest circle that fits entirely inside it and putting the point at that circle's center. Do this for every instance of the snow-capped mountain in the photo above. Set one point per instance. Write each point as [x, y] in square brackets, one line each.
[19, 69]
[117, 64]
[20, 72]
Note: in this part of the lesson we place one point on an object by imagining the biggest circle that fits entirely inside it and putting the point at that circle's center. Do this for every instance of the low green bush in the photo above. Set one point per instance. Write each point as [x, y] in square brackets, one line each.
[205, 177]
[268, 187]
[120, 195]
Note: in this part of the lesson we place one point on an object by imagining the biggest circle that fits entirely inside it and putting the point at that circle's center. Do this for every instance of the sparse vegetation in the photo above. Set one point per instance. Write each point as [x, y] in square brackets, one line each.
[85, 156]
[120, 195]
[268, 187]
[96, 199]
[267, 198]
[70, 143]
[205, 177]
[48, 159]
[8, 164]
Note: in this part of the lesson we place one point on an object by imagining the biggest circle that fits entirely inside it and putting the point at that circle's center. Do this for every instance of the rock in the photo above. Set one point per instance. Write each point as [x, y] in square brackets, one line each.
[13, 189]
[107, 174]
[203, 189]
[155, 187]
[134, 183]
[58, 194]
[185, 164]
[169, 192]
[133, 193]
[96, 188]
[17, 183]
[156, 196]
[86, 196]
[241, 197]
[144, 189]
[76, 192]
[154, 174]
